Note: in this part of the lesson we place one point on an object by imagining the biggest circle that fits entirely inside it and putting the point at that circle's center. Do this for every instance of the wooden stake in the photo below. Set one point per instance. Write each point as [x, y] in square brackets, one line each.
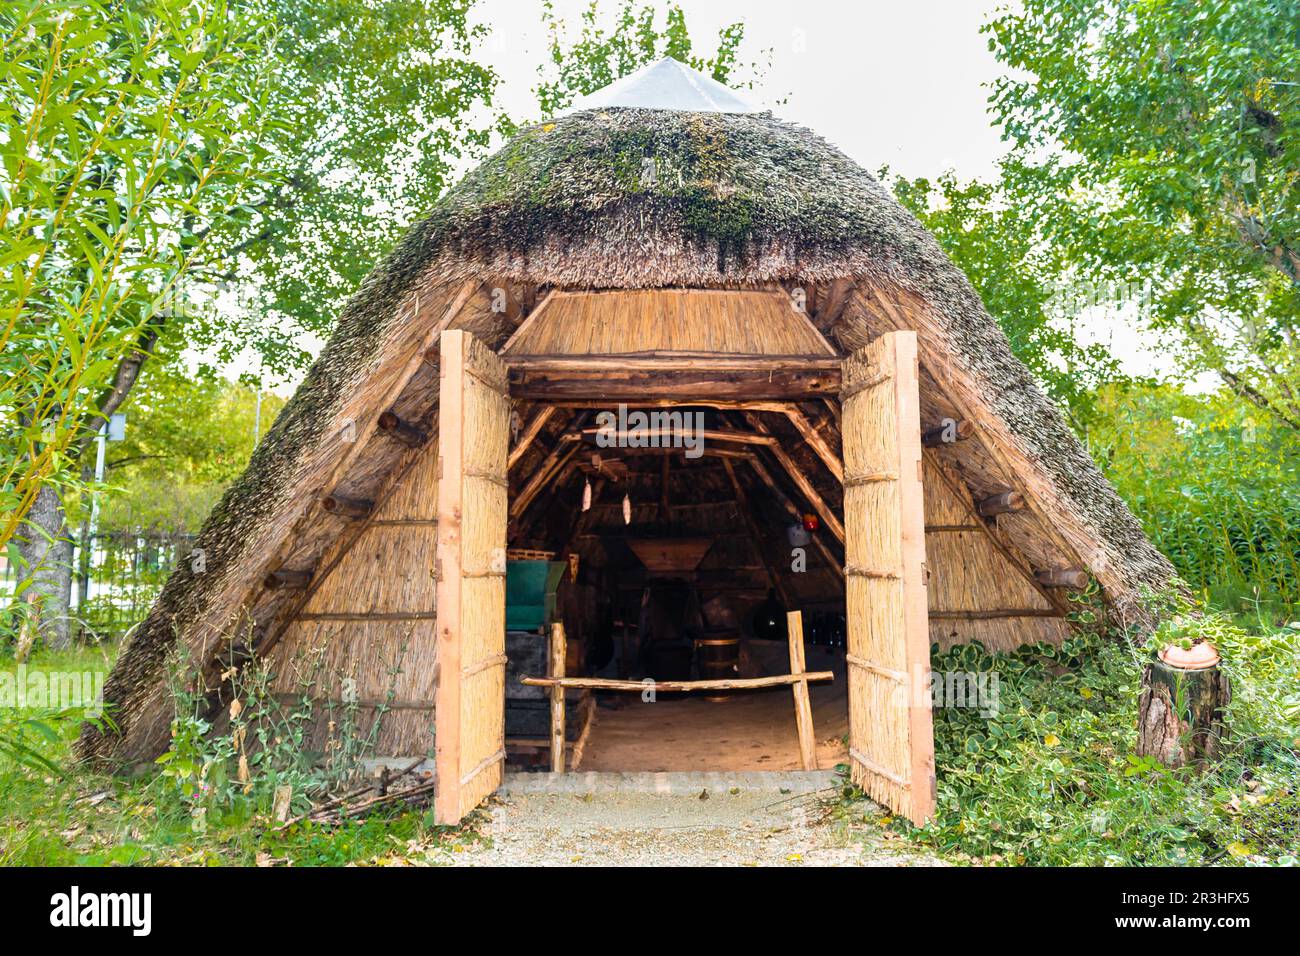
[558, 649]
[802, 702]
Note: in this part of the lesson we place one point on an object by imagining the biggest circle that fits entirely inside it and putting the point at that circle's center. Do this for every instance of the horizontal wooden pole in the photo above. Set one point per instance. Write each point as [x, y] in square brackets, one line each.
[993, 614]
[287, 578]
[629, 378]
[675, 686]
[659, 361]
[1001, 504]
[403, 431]
[948, 433]
[1076, 579]
[347, 507]
[708, 434]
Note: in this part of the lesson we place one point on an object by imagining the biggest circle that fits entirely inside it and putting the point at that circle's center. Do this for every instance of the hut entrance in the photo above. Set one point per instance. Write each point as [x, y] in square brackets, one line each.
[640, 576]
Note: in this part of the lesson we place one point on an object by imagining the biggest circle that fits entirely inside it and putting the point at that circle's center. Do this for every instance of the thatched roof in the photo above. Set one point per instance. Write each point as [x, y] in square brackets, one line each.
[614, 199]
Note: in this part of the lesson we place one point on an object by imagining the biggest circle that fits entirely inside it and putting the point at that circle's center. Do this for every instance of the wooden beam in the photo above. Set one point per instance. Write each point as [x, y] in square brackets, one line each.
[682, 378]
[831, 304]
[1000, 504]
[817, 441]
[528, 434]
[706, 434]
[529, 321]
[822, 548]
[343, 507]
[963, 495]
[800, 479]
[559, 455]
[414, 362]
[947, 433]
[408, 434]
[701, 401]
[1075, 579]
[993, 614]
[286, 578]
[742, 505]
[679, 686]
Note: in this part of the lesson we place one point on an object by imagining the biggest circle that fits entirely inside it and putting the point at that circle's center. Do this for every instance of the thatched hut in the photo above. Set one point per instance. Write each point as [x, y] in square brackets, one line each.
[660, 247]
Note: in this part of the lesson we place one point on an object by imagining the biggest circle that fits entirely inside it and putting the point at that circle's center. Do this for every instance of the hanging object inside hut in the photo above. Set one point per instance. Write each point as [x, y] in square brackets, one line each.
[586, 495]
[798, 535]
[769, 618]
[627, 509]
[811, 522]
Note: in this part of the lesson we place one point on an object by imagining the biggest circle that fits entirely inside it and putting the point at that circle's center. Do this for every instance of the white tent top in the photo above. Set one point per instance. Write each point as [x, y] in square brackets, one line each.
[665, 85]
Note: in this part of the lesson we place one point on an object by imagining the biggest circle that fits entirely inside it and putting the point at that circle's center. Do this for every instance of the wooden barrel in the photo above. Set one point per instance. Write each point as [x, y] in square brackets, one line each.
[718, 658]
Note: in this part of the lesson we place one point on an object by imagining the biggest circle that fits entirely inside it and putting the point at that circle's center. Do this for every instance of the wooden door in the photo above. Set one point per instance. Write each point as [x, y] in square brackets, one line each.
[473, 441]
[891, 738]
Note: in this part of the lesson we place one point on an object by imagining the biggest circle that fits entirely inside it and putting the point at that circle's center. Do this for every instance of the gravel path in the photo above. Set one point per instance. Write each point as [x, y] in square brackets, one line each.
[726, 827]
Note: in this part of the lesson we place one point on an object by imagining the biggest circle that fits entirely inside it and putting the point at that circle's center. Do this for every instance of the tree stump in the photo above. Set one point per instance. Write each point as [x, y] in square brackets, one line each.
[1180, 713]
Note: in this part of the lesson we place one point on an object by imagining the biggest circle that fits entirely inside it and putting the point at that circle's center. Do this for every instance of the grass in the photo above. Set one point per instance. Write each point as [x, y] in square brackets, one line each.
[81, 818]
[1052, 778]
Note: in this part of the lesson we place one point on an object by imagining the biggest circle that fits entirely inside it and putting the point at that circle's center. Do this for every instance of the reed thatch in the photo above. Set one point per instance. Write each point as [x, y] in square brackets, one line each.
[612, 199]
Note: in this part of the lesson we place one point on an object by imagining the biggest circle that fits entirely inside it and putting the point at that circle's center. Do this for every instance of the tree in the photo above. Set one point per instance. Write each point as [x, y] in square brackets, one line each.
[377, 105]
[133, 134]
[599, 56]
[997, 243]
[1171, 126]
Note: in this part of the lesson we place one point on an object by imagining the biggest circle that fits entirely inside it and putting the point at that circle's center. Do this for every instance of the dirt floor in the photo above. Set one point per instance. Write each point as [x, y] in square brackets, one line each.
[714, 826]
[750, 731]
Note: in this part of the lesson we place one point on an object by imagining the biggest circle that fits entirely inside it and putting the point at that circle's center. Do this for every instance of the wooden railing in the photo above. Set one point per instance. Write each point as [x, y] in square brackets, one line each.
[798, 679]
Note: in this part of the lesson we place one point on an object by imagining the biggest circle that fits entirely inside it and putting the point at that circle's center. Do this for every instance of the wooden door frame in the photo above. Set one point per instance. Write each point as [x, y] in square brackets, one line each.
[592, 381]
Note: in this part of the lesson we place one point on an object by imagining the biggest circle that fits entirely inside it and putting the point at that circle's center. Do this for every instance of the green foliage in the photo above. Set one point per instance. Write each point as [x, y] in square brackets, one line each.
[133, 133]
[995, 240]
[600, 56]
[1158, 140]
[187, 437]
[1216, 484]
[76, 817]
[380, 103]
[1052, 778]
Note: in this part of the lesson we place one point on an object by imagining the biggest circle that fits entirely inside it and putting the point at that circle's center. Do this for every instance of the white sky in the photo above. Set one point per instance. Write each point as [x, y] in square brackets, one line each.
[897, 82]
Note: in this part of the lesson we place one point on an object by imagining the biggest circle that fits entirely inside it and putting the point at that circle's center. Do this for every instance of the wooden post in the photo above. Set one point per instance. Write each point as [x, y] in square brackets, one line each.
[558, 650]
[802, 703]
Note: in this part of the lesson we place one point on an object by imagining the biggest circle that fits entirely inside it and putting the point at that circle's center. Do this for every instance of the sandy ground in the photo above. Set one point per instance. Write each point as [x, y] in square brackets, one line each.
[750, 731]
[723, 827]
